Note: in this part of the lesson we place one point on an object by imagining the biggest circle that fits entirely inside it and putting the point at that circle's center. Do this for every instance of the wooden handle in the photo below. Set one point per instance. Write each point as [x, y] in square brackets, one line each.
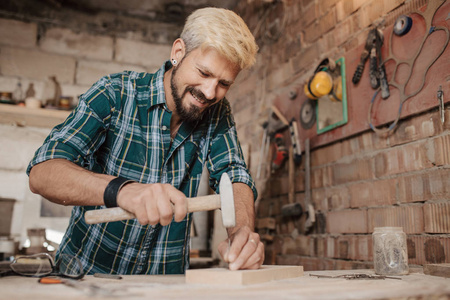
[202, 203]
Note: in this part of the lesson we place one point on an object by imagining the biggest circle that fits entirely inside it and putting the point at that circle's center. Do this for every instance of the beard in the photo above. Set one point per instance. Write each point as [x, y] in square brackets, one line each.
[187, 113]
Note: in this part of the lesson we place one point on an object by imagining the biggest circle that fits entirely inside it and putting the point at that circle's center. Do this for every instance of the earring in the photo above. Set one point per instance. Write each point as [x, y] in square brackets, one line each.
[174, 61]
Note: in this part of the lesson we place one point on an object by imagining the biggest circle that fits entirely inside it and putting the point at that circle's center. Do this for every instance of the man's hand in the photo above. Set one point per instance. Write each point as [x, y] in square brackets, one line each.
[153, 203]
[246, 250]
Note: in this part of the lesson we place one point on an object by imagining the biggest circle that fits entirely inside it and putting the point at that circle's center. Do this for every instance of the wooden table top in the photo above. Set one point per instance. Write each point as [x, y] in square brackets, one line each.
[413, 286]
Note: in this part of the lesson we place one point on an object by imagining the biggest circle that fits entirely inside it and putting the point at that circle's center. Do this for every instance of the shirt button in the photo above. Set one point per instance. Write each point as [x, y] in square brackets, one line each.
[164, 127]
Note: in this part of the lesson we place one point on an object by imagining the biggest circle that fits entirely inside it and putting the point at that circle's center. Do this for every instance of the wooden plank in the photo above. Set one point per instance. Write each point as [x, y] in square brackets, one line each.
[441, 270]
[242, 277]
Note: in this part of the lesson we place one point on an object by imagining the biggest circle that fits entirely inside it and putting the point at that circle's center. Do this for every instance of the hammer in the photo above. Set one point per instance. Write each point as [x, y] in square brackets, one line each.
[224, 201]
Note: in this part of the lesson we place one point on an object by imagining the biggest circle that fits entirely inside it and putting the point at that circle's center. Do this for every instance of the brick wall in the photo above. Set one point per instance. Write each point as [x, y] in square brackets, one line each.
[357, 183]
[33, 51]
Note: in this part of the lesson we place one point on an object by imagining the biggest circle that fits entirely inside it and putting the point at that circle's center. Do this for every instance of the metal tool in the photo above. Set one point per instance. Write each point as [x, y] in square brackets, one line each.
[356, 276]
[224, 201]
[440, 96]
[295, 142]
[371, 37]
[428, 16]
[281, 153]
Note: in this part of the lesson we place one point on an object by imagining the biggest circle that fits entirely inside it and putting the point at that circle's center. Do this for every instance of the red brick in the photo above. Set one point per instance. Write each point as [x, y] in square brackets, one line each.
[310, 15]
[363, 248]
[437, 217]
[369, 13]
[326, 155]
[439, 150]
[318, 246]
[319, 199]
[321, 177]
[338, 197]
[302, 243]
[306, 59]
[313, 32]
[410, 218]
[326, 5]
[358, 169]
[415, 129]
[432, 185]
[328, 21]
[428, 250]
[278, 185]
[343, 30]
[347, 221]
[374, 193]
[407, 158]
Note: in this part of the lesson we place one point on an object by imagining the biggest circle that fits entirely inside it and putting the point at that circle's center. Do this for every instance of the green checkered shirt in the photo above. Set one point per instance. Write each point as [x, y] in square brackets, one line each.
[121, 127]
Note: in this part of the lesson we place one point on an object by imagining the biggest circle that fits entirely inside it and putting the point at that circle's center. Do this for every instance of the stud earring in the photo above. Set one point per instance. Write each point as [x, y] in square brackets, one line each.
[174, 61]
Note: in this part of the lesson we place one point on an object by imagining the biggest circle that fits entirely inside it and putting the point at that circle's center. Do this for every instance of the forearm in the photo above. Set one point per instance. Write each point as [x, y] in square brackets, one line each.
[244, 207]
[64, 182]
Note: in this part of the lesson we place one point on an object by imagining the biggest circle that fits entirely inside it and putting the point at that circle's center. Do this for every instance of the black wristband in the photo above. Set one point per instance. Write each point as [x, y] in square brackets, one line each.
[112, 189]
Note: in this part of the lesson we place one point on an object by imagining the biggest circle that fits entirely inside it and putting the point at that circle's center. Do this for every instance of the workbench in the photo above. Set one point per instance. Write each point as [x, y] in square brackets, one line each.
[412, 286]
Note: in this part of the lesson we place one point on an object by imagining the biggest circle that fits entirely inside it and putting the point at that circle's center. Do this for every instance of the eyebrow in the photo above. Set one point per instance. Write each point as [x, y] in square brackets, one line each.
[208, 71]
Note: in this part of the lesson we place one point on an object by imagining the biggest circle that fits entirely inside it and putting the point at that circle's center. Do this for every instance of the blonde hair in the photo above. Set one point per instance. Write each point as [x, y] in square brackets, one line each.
[222, 30]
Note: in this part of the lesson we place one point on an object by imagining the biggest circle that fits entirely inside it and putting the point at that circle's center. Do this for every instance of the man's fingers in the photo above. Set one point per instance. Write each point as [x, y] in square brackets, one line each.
[249, 255]
[179, 205]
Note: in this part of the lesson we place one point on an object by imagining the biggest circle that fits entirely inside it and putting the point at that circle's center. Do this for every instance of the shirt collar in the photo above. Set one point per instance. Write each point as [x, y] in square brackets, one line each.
[157, 93]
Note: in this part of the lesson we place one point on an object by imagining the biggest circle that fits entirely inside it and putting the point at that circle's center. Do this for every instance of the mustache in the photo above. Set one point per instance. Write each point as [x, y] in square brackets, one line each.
[199, 95]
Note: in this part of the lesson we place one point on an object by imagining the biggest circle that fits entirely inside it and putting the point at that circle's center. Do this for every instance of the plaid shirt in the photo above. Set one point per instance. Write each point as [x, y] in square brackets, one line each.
[121, 127]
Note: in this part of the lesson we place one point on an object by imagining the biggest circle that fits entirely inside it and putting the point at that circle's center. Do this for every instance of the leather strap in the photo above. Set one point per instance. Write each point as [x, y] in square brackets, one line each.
[112, 189]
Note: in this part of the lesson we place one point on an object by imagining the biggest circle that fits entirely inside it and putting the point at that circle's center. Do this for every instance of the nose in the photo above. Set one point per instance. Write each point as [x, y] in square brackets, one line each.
[209, 89]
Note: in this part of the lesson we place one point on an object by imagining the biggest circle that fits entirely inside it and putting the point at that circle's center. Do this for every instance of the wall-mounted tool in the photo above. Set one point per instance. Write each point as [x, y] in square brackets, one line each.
[280, 153]
[427, 16]
[293, 209]
[402, 25]
[440, 96]
[311, 217]
[308, 114]
[377, 72]
[293, 129]
[321, 82]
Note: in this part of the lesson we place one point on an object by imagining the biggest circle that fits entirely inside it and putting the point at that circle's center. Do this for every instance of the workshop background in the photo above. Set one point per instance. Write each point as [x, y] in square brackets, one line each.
[351, 177]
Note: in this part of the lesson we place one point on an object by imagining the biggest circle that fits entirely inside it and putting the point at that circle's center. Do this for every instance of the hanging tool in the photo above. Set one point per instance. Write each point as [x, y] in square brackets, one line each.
[224, 201]
[280, 153]
[293, 129]
[377, 72]
[293, 209]
[402, 25]
[311, 217]
[308, 114]
[428, 16]
[440, 96]
[364, 56]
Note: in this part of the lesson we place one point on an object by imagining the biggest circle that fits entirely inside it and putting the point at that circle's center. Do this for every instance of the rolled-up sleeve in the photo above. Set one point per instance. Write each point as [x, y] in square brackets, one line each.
[82, 133]
[226, 156]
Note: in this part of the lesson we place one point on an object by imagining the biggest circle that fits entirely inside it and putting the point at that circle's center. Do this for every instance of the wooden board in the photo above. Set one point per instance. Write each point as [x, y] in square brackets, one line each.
[242, 277]
[442, 270]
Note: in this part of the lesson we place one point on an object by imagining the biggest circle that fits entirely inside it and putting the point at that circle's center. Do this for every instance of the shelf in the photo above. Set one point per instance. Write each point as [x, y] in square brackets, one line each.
[34, 117]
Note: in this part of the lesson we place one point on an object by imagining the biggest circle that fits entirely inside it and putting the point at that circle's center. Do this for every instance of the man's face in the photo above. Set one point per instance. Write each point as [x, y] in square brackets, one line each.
[203, 77]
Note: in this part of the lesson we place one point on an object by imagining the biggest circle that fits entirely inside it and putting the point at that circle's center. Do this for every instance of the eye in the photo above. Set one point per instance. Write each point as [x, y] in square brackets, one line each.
[204, 74]
[225, 84]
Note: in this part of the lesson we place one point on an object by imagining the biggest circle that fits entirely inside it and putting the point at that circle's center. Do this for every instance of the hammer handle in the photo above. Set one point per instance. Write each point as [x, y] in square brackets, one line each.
[201, 203]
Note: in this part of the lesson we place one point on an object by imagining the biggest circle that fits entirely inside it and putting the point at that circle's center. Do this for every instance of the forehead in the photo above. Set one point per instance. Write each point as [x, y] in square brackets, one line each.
[215, 64]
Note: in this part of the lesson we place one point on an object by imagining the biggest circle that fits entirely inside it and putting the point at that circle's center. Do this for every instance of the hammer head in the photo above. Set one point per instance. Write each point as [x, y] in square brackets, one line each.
[227, 201]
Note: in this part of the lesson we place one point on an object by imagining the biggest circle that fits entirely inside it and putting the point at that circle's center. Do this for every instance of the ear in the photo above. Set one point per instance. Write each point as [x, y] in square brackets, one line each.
[178, 50]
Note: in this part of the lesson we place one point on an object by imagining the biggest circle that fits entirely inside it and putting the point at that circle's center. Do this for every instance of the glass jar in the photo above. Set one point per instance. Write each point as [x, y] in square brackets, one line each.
[390, 253]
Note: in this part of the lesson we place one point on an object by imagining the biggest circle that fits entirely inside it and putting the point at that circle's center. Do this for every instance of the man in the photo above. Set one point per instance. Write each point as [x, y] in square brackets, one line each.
[139, 141]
